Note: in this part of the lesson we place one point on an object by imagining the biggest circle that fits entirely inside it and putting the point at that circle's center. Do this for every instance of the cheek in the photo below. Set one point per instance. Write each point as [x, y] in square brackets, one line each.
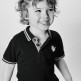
[51, 18]
[35, 17]
[52, 15]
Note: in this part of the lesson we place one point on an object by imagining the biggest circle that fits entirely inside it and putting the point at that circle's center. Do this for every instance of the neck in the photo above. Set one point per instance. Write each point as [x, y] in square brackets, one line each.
[37, 32]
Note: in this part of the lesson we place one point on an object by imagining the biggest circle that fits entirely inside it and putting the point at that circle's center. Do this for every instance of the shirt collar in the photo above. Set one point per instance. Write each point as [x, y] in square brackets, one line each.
[30, 36]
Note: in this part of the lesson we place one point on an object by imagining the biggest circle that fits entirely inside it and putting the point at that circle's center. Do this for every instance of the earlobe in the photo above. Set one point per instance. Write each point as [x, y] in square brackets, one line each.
[24, 17]
[24, 14]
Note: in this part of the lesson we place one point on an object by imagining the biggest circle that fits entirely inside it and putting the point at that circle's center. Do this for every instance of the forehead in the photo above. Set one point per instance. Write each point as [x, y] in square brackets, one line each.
[43, 4]
[40, 3]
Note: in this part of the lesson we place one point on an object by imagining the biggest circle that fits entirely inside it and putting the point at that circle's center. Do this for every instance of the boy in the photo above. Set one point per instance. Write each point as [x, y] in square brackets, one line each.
[36, 49]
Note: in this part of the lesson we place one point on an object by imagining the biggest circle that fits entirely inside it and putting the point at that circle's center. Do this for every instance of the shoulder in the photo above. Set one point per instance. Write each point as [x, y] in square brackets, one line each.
[55, 34]
[17, 37]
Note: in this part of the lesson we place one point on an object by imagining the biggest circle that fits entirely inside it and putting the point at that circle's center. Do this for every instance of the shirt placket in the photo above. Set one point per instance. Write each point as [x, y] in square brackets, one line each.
[37, 43]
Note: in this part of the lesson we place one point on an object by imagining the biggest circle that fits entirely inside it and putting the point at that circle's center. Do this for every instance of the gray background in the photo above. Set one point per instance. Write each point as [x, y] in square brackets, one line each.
[68, 24]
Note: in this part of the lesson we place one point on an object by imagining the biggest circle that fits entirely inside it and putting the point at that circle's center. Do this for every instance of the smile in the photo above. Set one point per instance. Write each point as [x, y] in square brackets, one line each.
[45, 23]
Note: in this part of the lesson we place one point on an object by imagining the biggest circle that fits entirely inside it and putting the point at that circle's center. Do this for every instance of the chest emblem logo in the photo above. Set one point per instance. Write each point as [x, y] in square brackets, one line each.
[53, 48]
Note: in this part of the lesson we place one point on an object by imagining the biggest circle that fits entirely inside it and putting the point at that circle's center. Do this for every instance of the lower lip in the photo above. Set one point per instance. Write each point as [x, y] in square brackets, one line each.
[46, 23]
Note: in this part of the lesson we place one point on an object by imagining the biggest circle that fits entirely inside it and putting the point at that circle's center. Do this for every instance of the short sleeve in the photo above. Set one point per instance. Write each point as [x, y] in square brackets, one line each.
[59, 47]
[10, 55]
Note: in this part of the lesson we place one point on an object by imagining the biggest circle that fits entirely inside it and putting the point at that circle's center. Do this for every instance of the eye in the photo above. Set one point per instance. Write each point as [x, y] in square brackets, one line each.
[50, 9]
[38, 11]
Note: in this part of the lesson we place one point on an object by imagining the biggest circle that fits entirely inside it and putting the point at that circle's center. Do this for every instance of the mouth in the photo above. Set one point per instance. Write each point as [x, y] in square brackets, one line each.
[45, 22]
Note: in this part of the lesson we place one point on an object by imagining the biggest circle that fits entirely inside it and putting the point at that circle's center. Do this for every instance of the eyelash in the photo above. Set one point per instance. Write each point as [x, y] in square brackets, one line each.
[40, 10]
[51, 9]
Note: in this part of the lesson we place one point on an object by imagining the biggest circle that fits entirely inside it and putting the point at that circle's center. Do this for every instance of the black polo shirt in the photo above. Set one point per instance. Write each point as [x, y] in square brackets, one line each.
[34, 65]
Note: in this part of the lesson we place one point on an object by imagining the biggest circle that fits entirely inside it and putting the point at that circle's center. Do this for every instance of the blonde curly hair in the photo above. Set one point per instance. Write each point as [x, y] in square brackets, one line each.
[22, 8]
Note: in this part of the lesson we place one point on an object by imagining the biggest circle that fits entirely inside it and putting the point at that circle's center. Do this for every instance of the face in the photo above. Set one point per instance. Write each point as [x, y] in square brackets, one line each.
[41, 16]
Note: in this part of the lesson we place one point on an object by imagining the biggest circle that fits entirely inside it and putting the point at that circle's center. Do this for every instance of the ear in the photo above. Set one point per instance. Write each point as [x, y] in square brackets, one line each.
[24, 14]
[24, 17]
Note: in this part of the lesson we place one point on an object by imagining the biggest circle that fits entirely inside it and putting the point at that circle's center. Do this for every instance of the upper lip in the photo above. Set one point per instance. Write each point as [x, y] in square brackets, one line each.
[44, 21]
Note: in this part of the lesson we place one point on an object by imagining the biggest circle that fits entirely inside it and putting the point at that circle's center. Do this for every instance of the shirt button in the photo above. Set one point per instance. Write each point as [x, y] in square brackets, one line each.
[40, 52]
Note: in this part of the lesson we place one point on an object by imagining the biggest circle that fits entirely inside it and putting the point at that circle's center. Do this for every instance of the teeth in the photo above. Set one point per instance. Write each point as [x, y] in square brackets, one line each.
[44, 22]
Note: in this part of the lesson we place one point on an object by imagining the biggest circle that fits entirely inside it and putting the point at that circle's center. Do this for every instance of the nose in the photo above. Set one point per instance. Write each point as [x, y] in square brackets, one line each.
[45, 15]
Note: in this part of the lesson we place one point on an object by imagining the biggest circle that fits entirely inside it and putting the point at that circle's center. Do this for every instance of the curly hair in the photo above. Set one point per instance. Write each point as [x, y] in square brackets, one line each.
[22, 8]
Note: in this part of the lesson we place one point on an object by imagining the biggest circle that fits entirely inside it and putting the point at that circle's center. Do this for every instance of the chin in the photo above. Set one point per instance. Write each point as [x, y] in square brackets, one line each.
[44, 27]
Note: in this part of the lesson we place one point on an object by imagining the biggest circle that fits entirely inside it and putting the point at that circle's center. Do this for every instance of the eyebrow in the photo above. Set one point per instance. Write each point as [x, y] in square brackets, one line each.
[41, 8]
